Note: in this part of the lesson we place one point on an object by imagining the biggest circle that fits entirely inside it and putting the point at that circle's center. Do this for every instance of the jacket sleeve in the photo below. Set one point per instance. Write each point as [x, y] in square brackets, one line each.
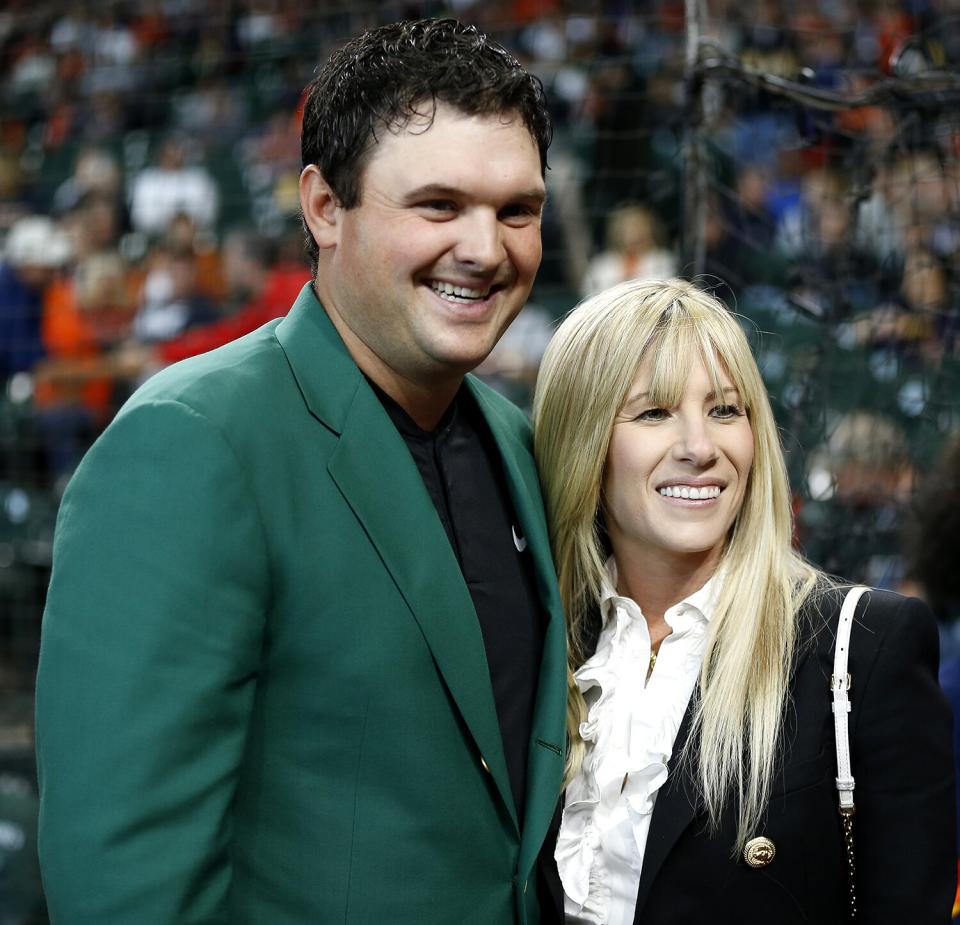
[150, 646]
[903, 766]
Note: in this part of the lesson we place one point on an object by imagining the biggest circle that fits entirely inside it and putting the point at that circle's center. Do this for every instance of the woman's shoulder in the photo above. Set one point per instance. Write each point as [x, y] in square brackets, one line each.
[881, 619]
[876, 605]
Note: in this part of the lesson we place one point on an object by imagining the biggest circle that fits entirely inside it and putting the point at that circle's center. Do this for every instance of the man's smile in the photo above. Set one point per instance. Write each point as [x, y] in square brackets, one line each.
[454, 293]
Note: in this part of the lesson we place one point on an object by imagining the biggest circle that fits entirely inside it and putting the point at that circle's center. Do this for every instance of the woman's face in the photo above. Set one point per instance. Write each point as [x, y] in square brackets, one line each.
[675, 477]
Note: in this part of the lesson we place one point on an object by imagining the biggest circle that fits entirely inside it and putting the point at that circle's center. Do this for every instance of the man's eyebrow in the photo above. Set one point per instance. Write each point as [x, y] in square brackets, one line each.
[440, 191]
[538, 194]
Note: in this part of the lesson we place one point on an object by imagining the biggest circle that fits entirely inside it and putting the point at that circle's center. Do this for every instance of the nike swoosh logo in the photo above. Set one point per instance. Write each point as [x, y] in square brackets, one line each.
[519, 541]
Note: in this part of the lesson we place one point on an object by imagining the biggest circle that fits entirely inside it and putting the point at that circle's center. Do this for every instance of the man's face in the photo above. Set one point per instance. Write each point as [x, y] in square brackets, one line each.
[439, 256]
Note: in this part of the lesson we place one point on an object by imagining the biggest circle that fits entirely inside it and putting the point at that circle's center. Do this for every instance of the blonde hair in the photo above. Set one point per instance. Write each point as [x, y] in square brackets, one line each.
[584, 379]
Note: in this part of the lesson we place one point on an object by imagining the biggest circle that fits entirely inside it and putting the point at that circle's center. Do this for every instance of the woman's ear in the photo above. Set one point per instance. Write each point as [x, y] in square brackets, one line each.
[321, 209]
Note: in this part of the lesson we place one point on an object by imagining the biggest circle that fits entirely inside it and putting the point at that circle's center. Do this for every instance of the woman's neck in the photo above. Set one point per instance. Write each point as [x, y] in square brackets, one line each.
[657, 580]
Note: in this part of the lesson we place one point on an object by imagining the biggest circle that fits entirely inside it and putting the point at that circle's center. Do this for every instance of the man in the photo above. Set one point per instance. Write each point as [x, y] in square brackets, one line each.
[303, 653]
[34, 250]
[172, 187]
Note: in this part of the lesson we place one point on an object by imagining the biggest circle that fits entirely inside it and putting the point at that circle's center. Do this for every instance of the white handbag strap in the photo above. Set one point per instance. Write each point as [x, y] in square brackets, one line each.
[840, 685]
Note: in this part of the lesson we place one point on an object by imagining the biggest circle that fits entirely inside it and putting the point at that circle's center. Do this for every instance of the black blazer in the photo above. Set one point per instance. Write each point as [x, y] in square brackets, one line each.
[901, 754]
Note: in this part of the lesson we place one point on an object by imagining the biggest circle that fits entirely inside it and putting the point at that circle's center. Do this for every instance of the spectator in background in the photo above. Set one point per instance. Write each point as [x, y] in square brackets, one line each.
[633, 251]
[927, 202]
[15, 197]
[172, 301]
[95, 172]
[859, 483]
[172, 187]
[750, 220]
[919, 319]
[798, 232]
[739, 234]
[879, 230]
[184, 236]
[35, 249]
[830, 274]
[767, 43]
[259, 289]
[617, 116]
[94, 223]
[723, 257]
[931, 541]
[75, 392]
[212, 110]
[114, 50]
[271, 165]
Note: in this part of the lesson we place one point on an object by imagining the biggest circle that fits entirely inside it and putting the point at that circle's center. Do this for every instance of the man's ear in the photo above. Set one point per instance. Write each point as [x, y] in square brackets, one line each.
[321, 210]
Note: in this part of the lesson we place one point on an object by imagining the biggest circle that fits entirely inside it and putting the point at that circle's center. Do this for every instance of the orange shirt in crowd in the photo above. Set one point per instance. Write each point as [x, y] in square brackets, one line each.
[71, 334]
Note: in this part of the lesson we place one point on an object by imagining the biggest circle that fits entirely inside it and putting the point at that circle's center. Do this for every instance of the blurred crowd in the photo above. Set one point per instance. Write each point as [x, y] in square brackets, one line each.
[149, 157]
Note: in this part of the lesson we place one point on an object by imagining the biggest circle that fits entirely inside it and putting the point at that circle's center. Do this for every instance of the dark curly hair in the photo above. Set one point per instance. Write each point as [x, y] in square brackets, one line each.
[382, 79]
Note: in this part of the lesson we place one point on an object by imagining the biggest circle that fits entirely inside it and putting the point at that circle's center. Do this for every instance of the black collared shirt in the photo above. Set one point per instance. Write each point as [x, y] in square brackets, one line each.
[463, 473]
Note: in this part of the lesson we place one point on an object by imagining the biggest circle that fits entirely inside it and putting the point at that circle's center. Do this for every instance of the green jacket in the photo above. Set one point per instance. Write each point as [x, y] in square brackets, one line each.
[263, 695]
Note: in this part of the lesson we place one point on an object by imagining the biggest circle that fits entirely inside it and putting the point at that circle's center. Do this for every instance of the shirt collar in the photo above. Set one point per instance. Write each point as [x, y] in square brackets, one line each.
[703, 601]
[406, 424]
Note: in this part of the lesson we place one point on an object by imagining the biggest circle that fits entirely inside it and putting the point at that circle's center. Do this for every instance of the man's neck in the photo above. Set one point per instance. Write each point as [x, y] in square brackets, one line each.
[425, 402]
[425, 407]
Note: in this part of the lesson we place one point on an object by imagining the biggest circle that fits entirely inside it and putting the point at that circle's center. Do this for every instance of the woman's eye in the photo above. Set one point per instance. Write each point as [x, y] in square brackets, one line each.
[726, 412]
[653, 414]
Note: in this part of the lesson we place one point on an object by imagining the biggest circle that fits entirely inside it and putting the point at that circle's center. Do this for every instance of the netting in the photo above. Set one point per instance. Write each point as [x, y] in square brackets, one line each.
[831, 152]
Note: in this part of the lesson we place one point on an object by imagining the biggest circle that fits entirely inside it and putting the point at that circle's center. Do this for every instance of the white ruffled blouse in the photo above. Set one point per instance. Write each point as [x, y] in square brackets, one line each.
[630, 730]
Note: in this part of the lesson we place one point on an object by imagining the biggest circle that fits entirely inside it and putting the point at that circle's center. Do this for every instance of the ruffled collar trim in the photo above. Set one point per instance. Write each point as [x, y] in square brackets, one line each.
[628, 750]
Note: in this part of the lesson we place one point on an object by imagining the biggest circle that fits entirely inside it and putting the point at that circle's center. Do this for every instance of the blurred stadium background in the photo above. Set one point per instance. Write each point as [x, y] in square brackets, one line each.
[804, 158]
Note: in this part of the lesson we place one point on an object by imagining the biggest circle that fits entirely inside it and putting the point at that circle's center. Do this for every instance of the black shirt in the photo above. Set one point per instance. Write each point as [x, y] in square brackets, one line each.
[463, 473]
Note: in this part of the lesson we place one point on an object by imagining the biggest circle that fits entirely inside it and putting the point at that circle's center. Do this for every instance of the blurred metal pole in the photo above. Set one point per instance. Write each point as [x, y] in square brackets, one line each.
[695, 162]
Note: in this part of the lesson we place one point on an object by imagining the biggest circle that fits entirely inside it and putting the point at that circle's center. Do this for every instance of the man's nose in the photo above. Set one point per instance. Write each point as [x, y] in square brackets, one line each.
[480, 241]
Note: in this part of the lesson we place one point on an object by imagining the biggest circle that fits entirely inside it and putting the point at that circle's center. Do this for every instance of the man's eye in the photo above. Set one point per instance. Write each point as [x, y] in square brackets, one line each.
[726, 412]
[519, 210]
[438, 205]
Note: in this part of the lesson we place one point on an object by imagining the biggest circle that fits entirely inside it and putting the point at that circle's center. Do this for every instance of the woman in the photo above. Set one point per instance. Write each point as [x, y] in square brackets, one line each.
[700, 783]
[632, 251]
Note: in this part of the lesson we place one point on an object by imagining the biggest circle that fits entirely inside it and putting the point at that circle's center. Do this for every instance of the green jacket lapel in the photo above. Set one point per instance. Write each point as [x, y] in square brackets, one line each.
[545, 766]
[380, 481]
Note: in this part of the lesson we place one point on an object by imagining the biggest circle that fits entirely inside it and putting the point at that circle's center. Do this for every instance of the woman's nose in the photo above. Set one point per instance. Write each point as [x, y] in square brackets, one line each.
[695, 445]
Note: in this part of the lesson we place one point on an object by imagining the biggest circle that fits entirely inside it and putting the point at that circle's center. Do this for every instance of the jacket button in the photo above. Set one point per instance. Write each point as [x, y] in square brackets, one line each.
[759, 851]
[484, 765]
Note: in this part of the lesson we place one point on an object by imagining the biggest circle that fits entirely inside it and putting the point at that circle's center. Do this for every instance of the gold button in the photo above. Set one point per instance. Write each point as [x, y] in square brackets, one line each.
[483, 762]
[759, 852]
